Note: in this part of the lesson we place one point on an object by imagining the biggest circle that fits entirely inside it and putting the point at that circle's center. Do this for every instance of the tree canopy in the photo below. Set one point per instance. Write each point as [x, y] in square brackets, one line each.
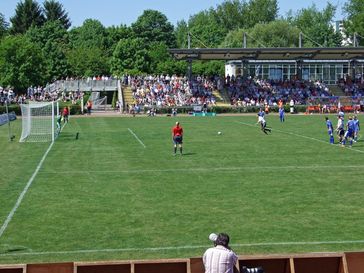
[3, 25]
[354, 9]
[27, 14]
[56, 51]
[54, 11]
[278, 33]
[22, 63]
[317, 27]
[153, 26]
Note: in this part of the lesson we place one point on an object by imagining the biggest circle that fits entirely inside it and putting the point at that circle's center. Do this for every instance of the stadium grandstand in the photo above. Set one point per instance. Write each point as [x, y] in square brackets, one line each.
[309, 76]
[323, 80]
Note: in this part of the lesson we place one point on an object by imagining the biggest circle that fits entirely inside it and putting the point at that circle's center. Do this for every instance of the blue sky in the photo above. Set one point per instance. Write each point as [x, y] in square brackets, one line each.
[116, 12]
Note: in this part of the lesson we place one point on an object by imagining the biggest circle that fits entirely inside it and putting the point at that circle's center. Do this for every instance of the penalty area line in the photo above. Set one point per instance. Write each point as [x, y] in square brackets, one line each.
[217, 169]
[137, 138]
[25, 190]
[153, 249]
[303, 136]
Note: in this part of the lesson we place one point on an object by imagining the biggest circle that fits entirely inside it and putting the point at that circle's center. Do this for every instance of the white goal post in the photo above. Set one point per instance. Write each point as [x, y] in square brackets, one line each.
[39, 121]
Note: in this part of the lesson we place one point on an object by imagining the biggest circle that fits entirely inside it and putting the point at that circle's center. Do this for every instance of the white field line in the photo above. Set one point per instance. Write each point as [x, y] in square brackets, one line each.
[151, 249]
[302, 136]
[21, 196]
[243, 168]
[141, 142]
[25, 190]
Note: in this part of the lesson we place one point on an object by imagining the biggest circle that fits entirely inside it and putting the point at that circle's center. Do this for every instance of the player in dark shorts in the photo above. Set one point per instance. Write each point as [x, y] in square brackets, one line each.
[264, 128]
[177, 135]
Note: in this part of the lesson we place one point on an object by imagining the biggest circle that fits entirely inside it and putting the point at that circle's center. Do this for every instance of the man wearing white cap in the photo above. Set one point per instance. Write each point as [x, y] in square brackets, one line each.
[220, 258]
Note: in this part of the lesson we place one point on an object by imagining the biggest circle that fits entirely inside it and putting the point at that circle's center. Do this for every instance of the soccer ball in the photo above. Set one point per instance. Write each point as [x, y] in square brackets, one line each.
[219, 133]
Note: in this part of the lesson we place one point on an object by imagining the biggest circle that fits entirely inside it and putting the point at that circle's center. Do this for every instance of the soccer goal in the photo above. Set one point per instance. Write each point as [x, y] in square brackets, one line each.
[39, 121]
[98, 102]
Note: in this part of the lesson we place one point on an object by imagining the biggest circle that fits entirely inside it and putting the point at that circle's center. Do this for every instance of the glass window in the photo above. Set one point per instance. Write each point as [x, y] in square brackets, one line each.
[305, 72]
[332, 74]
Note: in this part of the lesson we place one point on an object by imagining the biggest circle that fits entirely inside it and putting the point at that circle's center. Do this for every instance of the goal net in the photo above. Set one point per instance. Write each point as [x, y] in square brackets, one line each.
[39, 121]
[98, 103]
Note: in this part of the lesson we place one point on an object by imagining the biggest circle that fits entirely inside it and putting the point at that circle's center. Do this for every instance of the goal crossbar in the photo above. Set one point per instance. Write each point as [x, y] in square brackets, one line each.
[39, 121]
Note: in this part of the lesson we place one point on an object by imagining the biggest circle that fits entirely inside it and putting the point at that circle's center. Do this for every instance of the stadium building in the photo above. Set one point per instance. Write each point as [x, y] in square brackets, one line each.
[324, 64]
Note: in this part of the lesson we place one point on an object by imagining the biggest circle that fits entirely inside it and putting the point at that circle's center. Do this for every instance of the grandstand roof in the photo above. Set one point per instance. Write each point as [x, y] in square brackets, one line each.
[339, 53]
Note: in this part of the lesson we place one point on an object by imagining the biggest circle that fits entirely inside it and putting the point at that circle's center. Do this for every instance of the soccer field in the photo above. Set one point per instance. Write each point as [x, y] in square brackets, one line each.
[117, 192]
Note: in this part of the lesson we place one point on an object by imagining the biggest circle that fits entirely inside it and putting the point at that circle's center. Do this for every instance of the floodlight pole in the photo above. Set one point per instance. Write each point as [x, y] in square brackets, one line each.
[244, 40]
[188, 40]
[300, 40]
[189, 61]
[355, 43]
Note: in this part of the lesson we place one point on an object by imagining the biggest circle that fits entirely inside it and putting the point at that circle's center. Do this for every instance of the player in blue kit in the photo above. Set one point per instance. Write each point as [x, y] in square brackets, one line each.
[349, 134]
[281, 114]
[261, 115]
[263, 123]
[330, 129]
[356, 128]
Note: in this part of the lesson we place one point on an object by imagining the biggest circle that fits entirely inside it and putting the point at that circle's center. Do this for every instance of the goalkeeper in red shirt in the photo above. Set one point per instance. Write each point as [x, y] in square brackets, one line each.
[177, 135]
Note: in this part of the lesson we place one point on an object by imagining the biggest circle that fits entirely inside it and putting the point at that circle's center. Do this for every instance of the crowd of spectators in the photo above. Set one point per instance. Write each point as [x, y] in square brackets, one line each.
[172, 90]
[8, 95]
[353, 88]
[259, 92]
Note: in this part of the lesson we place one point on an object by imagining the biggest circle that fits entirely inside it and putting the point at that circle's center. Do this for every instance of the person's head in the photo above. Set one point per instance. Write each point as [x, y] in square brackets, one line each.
[326, 118]
[177, 123]
[222, 239]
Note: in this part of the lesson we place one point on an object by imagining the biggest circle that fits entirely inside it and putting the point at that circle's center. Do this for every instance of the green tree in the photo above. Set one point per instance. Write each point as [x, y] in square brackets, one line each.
[171, 67]
[87, 61]
[261, 11]
[114, 34]
[209, 27]
[279, 33]
[153, 26]
[91, 34]
[233, 14]
[88, 54]
[205, 29]
[52, 38]
[354, 10]
[208, 68]
[54, 11]
[27, 14]
[21, 63]
[316, 25]
[181, 33]
[3, 26]
[130, 55]
[158, 53]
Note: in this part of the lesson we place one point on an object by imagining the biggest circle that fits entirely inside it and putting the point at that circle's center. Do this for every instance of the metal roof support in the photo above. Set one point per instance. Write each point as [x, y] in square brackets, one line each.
[244, 40]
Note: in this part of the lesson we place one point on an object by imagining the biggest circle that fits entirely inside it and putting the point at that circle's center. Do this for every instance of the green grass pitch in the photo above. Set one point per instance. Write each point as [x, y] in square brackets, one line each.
[117, 192]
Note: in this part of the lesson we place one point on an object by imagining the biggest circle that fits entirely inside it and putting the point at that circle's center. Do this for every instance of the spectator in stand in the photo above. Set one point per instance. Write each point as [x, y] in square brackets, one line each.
[220, 258]
[89, 107]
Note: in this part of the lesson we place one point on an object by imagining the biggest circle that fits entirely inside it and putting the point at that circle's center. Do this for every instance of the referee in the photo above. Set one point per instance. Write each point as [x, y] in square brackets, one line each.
[177, 135]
